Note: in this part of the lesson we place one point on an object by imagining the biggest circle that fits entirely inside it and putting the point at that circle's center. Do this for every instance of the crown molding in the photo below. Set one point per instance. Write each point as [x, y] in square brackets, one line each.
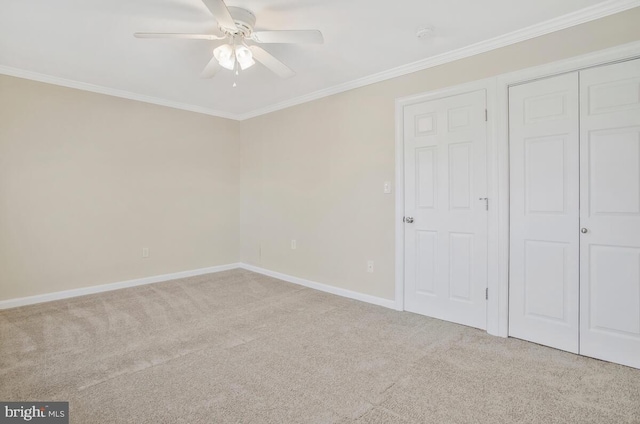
[35, 76]
[588, 14]
[601, 10]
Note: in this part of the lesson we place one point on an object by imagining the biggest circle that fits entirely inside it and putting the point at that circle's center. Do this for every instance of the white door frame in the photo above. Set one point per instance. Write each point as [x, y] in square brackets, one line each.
[497, 170]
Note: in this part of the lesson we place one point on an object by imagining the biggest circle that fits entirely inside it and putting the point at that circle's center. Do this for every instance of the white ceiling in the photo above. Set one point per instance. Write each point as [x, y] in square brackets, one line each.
[91, 41]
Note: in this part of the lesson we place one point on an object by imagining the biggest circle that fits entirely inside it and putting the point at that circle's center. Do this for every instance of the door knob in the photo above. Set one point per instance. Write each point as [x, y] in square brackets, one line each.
[584, 230]
[409, 220]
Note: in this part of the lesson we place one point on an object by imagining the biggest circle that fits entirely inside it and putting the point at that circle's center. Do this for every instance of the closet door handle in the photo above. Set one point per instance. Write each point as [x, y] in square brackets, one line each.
[584, 230]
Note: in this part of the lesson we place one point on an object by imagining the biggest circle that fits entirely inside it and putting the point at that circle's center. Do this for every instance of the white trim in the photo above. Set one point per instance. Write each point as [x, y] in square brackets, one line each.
[502, 164]
[48, 297]
[578, 17]
[322, 287]
[399, 212]
[493, 220]
[622, 52]
[587, 14]
[35, 76]
[493, 217]
[22, 301]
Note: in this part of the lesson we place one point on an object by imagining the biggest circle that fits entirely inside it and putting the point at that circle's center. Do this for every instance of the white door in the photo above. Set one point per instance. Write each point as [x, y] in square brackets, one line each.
[445, 176]
[610, 213]
[544, 215]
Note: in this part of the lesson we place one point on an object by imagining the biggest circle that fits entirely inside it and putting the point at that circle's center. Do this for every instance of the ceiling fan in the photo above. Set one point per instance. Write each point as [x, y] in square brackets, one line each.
[237, 26]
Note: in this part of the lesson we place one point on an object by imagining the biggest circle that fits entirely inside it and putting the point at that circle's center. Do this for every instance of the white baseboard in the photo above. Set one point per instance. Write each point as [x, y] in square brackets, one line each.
[48, 297]
[391, 304]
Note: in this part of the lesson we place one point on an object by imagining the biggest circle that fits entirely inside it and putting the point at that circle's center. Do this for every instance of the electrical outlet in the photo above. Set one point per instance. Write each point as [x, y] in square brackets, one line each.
[387, 187]
[369, 266]
[294, 245]
[145, 252]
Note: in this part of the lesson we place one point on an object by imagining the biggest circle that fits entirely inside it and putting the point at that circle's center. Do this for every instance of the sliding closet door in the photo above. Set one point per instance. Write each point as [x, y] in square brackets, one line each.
[610, 213]
[544, 247]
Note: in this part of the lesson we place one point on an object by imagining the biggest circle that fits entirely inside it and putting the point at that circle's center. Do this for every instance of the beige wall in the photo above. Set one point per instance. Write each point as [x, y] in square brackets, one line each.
[315, 172]
[87, 181]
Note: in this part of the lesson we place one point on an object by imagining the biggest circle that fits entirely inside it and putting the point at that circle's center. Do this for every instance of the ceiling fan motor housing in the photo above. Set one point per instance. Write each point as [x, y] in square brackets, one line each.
[244, 19]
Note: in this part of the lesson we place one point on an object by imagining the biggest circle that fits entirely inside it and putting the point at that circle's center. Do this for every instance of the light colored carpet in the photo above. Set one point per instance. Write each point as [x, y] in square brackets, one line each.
[238, 347]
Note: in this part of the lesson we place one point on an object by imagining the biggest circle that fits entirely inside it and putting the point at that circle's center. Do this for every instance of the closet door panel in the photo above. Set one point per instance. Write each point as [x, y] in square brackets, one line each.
[544, 248]
[610, 213]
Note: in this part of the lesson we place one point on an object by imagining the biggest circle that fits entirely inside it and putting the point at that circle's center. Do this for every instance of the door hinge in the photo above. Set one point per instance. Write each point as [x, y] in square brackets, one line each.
[486, 115]
[486, 202]
[486, 293]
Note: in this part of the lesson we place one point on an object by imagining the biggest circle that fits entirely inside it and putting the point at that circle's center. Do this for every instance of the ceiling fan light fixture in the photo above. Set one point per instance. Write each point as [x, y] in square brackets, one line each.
[244, 57]
[224, 54]
[237, 26]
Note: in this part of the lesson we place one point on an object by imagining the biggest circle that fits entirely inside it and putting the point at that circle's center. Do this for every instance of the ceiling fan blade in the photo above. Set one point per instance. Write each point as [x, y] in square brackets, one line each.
[211, 69]
[311, 36]
[219, 11]
[277, 67]
[175, 35]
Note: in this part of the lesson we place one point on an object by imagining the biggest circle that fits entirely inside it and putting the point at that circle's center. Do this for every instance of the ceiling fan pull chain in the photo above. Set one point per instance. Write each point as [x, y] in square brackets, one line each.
[236, 65]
